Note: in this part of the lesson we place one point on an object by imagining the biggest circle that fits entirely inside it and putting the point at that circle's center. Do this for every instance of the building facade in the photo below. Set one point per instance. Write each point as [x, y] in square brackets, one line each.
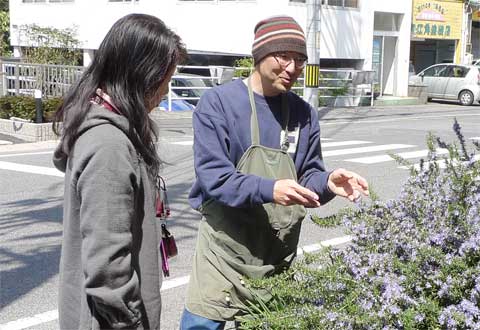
[475, 42]
[359, 34]
[440, 32]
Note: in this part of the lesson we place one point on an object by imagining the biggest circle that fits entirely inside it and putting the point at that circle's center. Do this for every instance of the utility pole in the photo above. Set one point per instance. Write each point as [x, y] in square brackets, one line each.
[313, 52]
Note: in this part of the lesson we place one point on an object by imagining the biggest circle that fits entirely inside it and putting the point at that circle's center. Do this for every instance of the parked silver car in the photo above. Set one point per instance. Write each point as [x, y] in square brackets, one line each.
[451, 82]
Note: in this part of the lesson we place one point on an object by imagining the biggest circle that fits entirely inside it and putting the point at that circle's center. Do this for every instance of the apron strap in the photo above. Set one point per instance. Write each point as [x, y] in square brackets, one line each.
[285, 118]
[255, 131]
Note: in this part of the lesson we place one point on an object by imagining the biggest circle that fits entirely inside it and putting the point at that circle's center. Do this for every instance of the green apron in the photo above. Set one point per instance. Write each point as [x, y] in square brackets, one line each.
[238, 243]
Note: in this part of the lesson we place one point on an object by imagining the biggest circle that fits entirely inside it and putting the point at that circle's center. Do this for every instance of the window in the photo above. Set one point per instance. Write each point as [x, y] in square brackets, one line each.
[436, 71]
[458, 72]
[387, 22]
[340, 3]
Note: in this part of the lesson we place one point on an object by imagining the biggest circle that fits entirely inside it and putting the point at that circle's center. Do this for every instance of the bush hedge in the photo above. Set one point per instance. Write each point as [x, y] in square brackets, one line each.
[413, 263]
[24, 107]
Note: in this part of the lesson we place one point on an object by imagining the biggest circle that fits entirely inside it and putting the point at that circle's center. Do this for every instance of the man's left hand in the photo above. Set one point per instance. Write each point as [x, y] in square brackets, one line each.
[347, 184]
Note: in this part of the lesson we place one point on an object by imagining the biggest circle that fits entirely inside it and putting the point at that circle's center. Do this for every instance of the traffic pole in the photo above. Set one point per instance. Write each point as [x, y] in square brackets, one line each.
[311, 73]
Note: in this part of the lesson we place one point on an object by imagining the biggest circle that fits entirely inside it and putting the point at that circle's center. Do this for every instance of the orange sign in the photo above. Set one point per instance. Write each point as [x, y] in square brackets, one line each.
[476, 16]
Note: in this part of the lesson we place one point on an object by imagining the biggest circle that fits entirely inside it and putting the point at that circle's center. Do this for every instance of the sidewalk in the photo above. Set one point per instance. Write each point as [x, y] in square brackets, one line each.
[182, 119]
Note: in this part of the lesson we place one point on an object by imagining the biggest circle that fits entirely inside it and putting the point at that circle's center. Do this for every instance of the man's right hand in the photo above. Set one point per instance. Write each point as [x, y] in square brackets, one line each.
[289, 192]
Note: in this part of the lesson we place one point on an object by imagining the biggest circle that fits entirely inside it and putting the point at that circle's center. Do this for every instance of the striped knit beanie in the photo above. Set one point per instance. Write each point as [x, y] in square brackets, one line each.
[278, 34]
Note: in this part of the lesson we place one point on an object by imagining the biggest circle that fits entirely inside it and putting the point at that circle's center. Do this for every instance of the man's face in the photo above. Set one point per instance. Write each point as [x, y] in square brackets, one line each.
[279, 71]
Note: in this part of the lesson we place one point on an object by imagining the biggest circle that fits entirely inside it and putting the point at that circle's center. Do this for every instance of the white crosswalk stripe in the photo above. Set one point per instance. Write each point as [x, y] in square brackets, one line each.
[441, 163]
[387, 158]
[184, 143]
[31, 169]
[343, 143]
[383, 147]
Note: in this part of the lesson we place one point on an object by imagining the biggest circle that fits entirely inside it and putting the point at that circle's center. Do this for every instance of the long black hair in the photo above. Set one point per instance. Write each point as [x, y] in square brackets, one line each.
[131, 63]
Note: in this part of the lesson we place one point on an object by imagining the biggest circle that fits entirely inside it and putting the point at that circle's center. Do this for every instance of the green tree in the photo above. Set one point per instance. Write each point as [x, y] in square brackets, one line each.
[51, 45]
[4, 29]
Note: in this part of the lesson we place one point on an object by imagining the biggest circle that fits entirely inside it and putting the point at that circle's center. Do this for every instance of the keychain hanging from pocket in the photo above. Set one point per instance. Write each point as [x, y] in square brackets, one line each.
[168, 247]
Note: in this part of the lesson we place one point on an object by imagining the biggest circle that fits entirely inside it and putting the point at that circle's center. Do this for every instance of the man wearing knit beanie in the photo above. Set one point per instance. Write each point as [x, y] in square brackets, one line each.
[258, 165]
[278, 34]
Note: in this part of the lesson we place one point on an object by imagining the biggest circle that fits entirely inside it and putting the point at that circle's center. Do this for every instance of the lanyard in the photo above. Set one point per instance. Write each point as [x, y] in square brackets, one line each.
[103, 99]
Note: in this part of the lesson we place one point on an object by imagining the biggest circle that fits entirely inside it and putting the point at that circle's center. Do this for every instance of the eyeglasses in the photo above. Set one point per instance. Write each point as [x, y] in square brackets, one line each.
[284, 60]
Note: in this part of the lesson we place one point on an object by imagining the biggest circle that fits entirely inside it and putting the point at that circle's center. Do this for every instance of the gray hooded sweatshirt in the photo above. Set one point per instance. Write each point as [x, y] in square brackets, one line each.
[110, 275]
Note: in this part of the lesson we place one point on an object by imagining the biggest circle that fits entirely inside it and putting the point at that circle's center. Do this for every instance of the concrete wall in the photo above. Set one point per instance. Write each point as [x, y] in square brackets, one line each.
[27, 131]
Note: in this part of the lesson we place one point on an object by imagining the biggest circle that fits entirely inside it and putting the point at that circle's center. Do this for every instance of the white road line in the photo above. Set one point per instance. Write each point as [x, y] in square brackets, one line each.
[5, 142]
[475, 138]
[387, 158]
[175, 282]
[49, 316]
[27, 154]
[325, 139]
[319, 246]
[441, 163]
[184, 143]
[361, 121]
[382, 147]
[30, 169]
[30, 321]
[26, 147]
[343, 143]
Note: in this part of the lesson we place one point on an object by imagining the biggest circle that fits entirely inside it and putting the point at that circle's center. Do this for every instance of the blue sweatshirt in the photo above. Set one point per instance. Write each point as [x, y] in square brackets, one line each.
[221, 125]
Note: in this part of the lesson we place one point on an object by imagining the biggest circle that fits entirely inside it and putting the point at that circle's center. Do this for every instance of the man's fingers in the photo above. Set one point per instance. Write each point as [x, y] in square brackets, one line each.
[306, 193]
[361, 185]
[289, 192]
[300, 200]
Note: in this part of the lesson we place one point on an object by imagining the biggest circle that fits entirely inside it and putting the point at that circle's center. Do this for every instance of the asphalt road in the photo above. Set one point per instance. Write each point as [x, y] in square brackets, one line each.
[31, 198]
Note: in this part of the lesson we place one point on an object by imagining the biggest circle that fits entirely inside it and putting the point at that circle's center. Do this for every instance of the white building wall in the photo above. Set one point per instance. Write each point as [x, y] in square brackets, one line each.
[224, 27]
[341, 33]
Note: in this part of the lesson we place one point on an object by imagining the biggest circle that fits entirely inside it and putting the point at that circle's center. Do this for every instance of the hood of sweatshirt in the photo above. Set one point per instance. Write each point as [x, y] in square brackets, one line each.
[96, 116]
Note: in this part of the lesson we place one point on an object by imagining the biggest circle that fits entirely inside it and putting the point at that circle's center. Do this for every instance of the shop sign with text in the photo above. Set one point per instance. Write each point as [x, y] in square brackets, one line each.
[437, 19]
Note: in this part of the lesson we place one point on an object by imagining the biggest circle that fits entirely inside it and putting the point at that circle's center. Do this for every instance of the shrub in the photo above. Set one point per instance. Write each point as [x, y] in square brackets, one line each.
[17, 106]
[413, 262]
[24, 107]
[50, 106]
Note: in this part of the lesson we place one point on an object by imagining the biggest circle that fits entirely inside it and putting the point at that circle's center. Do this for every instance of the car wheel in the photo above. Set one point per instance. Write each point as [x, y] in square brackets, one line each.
[466, 98]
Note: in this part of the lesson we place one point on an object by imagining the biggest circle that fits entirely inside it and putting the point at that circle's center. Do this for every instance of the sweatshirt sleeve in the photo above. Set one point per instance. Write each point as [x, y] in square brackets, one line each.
[313, 174]
[216, 173]
[105, 188]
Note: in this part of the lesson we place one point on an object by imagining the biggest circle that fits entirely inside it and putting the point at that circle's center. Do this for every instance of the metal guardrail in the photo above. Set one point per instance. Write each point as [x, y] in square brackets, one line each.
[338, 87]
[25, 78]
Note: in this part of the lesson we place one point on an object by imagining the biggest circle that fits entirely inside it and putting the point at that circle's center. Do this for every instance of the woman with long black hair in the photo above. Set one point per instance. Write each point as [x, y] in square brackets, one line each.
[110, 271]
